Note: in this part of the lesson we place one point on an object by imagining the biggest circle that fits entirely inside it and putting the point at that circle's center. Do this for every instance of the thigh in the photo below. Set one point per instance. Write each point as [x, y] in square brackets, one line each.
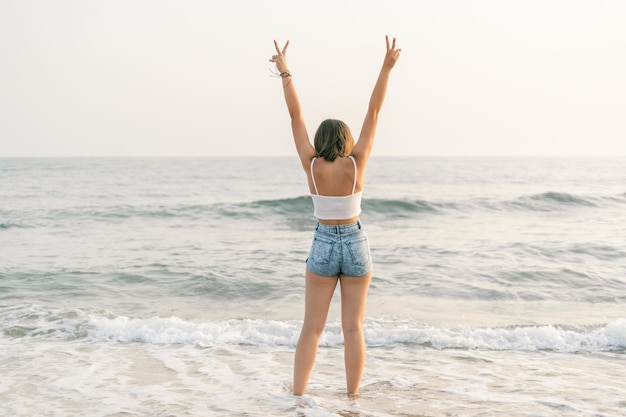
[318, 295]
[353, 298]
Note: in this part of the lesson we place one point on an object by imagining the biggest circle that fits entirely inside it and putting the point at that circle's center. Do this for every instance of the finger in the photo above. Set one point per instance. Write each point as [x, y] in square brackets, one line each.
[285, 48]
[393, 45]
[387, 41]
[276, 46]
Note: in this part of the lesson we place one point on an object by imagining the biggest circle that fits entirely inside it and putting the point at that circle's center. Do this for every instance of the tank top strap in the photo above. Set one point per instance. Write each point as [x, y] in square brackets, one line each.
[313, 176]
[354, 184]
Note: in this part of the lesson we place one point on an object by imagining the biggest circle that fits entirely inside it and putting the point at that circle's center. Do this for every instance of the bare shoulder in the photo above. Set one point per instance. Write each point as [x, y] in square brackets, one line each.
[306, 160]
[360, 160]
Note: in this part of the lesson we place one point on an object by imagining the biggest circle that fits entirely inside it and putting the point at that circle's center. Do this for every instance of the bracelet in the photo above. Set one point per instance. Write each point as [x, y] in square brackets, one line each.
[277, 74]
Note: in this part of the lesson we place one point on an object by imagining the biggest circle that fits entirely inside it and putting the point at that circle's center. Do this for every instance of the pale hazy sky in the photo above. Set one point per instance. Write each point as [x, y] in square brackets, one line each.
[156, 77]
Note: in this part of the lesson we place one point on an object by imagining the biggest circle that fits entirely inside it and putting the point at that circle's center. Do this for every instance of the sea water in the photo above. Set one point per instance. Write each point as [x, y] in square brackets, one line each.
[174, 287]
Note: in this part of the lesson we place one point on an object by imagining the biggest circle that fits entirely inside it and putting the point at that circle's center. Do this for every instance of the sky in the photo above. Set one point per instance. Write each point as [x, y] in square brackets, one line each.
[193, 78]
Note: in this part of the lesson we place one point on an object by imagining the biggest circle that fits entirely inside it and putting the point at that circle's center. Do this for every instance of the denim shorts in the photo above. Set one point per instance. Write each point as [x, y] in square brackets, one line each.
[340, 250]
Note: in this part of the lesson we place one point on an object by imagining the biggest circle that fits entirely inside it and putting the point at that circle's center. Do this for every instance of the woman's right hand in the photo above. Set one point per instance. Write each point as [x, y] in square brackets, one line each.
[280, 59]
[392, 54]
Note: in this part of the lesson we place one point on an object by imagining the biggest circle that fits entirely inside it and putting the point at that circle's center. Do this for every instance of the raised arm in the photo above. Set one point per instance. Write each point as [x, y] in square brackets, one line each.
[363, 147]
[301, 138]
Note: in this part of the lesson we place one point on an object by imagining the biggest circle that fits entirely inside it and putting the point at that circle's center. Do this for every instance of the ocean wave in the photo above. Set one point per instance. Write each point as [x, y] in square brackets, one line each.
[569, 339]
[301, 207]
[403, 207]
[304, 205]
[552, 200]
[11, 219]
[115, 212]
[259, 208]
[11, 225]
[97, 325]
[379, 332]
[121, 212]
[407, 207]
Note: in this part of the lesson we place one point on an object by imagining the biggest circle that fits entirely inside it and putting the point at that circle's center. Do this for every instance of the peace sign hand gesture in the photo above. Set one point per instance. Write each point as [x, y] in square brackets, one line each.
[392, 54]
[280, 59]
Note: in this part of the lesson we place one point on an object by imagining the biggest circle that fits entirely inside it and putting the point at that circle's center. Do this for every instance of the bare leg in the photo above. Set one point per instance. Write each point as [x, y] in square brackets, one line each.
[353, 296]
[319, 293]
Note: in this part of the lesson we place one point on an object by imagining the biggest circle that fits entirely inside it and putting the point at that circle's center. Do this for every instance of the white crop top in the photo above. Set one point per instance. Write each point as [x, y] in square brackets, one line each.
[336, 207]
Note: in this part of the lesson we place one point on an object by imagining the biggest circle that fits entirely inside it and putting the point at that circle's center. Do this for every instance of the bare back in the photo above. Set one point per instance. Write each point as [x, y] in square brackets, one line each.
[334, 178]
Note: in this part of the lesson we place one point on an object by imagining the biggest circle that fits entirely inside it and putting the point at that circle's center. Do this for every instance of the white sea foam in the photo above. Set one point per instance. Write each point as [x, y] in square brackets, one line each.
[378, 332]
[159, 330]
[99, 325]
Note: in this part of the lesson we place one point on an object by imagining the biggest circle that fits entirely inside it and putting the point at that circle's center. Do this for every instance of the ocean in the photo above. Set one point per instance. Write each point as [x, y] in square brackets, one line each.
[174, 287]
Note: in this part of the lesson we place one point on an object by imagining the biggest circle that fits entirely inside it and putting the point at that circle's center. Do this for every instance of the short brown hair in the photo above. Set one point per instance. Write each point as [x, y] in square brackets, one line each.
[333, 139]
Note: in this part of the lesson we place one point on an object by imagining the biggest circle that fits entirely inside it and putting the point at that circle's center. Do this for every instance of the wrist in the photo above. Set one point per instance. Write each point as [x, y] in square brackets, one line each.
[286, 78]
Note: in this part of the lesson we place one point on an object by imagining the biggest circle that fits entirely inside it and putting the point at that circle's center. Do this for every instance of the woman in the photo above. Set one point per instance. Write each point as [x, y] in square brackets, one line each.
[335, 169]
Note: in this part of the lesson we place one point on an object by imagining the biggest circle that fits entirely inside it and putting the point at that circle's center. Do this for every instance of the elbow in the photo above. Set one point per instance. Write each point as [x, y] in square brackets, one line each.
[372, 113]
[374, 107]
[296, 116]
